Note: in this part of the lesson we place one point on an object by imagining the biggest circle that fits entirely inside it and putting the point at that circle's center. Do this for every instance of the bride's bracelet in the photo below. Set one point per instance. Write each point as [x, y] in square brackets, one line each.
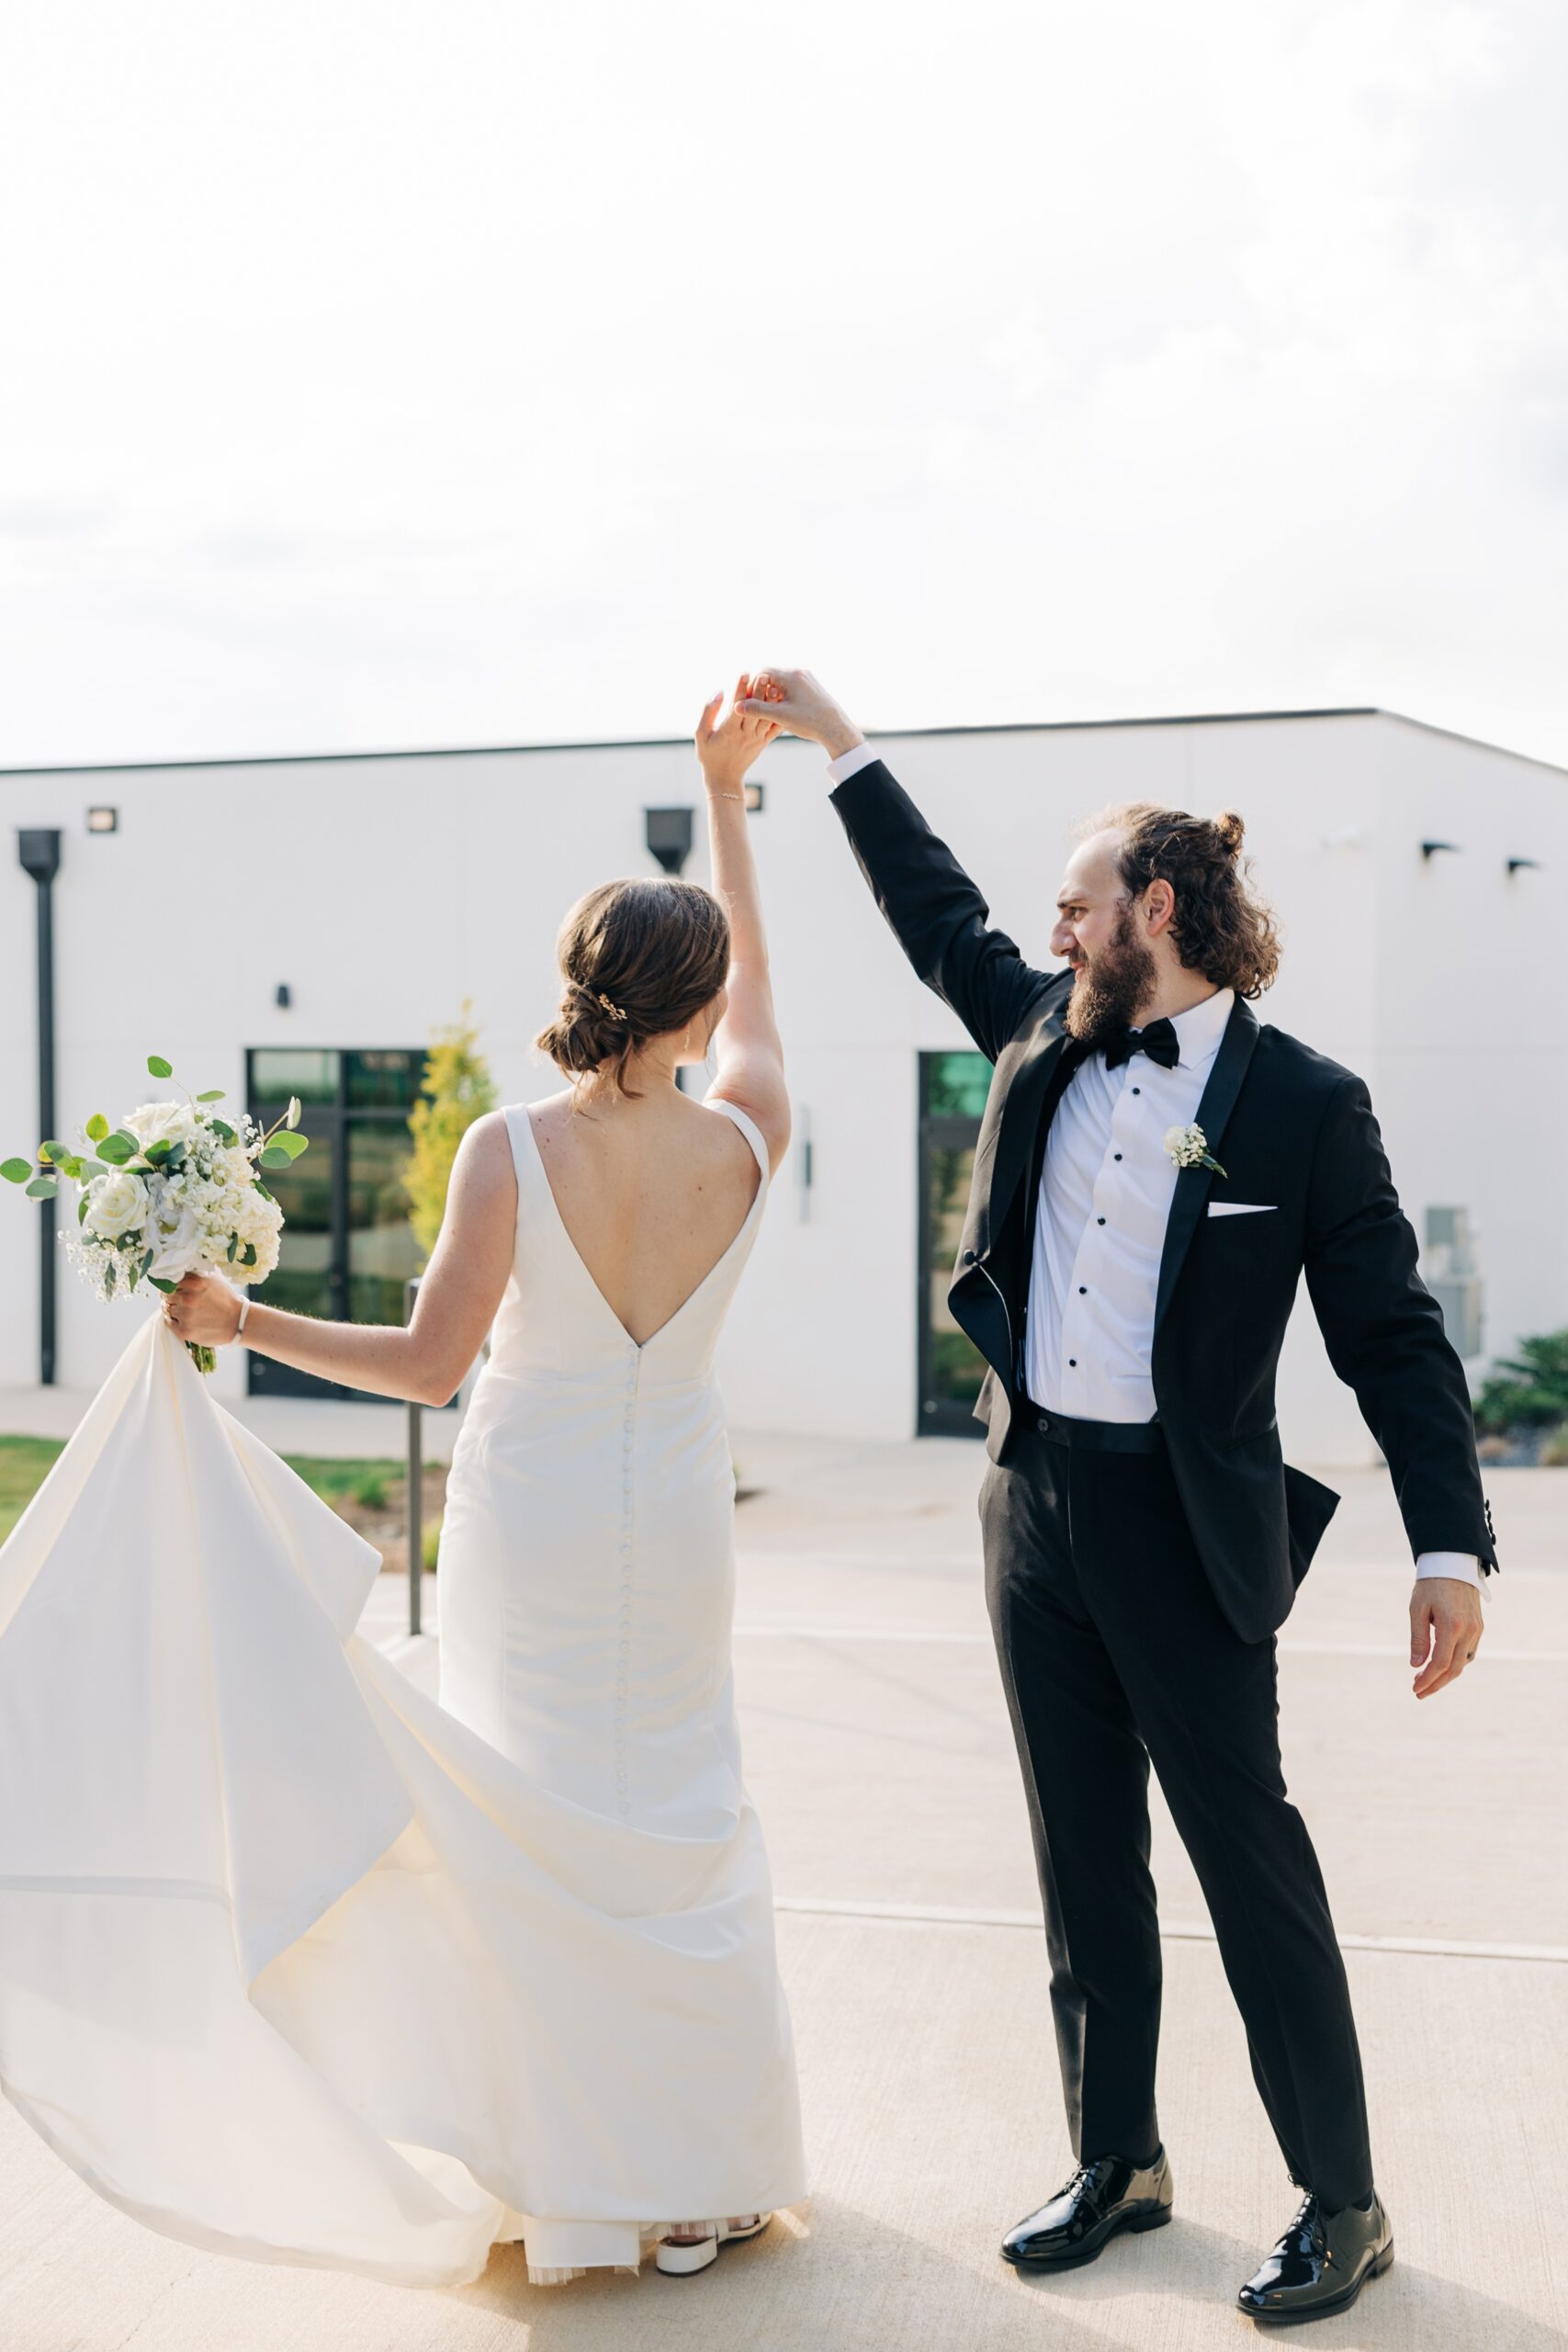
[244, 1310]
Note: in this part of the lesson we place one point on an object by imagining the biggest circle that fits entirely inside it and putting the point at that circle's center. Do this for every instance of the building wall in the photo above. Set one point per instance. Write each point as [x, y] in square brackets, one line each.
[385, 890]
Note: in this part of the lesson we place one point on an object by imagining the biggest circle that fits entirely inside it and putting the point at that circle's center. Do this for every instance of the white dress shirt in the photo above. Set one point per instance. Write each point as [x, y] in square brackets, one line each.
[1100, 1220]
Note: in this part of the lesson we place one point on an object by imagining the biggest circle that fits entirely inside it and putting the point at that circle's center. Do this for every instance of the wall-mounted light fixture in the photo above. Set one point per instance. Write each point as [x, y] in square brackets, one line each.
[1431, 849]
[754, 799]
[668, 833]
[1522, 864]
[103, 821]
[282, 997]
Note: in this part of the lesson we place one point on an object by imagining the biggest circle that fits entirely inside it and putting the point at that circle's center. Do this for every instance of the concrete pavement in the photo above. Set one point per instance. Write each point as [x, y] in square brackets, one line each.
[879, 1754]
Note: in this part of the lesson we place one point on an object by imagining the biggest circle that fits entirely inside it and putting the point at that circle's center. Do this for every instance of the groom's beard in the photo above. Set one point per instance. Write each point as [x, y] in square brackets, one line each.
[1112, 985]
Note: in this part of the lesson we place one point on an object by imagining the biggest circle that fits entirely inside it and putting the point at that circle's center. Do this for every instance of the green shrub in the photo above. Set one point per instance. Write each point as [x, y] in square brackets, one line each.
[1554, 1449]
[454, 1090]
[1530, 1390]
[431, 1543]
[370, 1493]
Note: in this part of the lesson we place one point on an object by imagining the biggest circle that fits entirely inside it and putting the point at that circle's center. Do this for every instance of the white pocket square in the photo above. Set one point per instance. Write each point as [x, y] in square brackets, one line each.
[1243, 1208]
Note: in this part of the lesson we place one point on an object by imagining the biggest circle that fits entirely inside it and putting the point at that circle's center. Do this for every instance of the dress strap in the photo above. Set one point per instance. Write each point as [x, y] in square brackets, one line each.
[529, 1167]
[749, 1129]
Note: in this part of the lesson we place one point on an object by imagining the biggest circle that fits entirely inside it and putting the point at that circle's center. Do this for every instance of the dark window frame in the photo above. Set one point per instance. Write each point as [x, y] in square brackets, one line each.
[263, 1376]
[936, 1131]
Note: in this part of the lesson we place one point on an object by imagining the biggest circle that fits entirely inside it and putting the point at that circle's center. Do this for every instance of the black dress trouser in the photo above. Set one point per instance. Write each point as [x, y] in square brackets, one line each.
[1115, 1653]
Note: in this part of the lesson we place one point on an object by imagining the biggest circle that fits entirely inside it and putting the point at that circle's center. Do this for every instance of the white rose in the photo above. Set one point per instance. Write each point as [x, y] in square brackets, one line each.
[116, 1203]
[161, 1123]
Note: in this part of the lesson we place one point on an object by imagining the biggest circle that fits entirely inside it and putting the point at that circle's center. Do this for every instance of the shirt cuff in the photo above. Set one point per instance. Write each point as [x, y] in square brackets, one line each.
[849, 763]
[1464, 1567]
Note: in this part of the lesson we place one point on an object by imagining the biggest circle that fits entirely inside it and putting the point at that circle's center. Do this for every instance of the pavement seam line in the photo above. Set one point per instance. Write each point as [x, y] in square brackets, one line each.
[940, 1914]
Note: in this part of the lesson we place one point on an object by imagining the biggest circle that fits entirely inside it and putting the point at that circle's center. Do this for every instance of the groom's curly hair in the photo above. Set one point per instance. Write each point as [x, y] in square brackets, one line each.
[638, 958]
[1220, 927]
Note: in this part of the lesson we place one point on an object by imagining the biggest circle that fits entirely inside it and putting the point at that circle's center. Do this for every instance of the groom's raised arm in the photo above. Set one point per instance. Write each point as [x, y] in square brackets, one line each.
[937, 914]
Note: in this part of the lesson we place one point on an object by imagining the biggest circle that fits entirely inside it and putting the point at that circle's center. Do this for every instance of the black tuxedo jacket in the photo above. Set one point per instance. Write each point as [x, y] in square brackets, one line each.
[1290, 1128]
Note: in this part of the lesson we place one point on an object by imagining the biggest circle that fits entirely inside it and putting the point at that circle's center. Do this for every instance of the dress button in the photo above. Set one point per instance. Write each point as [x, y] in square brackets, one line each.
[1116, 1155]
[1100, 1220]
[624, 1647]
[1073, 1363]
[1083, 1290]
[1044, 1426]
[1137, 1090]
[969, 1257]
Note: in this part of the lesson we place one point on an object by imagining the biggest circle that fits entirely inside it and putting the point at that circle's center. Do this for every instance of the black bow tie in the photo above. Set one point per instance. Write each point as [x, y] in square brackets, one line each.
[1160, 1041]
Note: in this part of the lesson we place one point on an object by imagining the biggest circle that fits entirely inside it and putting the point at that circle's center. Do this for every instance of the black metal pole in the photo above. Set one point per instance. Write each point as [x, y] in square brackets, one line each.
[415, 1480]
[39, 849]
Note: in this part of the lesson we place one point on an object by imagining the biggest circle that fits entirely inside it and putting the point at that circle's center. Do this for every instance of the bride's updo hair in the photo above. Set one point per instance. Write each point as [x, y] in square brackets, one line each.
[638, 959]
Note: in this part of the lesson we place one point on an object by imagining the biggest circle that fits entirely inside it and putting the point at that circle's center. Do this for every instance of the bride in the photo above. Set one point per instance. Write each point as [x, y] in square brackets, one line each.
[296, 1966]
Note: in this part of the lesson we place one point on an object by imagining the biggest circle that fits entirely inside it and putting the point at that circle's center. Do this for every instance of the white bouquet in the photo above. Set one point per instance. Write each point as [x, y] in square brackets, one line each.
[174, 1190]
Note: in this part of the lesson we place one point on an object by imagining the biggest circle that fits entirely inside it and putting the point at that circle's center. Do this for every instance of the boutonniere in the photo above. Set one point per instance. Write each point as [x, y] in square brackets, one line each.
[1189, 1147]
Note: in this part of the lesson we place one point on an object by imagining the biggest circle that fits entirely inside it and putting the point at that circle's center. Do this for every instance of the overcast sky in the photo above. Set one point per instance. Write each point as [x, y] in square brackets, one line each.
[413, 374]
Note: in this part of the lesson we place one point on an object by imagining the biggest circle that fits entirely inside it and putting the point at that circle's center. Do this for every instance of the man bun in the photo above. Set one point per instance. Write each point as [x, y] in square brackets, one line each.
[1231, 831]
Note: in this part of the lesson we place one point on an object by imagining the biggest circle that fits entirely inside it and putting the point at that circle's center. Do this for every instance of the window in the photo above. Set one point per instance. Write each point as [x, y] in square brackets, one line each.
[347, 1245]
[953, 1088]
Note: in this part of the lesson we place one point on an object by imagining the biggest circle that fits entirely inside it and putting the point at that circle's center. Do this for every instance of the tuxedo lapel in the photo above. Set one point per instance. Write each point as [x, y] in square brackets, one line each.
[1192, 1183]
[1023, 1101]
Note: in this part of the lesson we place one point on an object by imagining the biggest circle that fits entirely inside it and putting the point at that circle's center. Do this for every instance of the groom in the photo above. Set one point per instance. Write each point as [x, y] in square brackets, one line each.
[1154, 1172]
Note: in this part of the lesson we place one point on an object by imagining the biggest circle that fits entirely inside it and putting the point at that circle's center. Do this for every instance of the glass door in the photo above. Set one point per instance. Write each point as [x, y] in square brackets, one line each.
[347, 1244]
[952, 1101]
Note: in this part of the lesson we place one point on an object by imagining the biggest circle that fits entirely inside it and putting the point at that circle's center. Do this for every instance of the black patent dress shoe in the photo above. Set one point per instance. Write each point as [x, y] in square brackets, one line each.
[1101, 2198]
[1321, 2264]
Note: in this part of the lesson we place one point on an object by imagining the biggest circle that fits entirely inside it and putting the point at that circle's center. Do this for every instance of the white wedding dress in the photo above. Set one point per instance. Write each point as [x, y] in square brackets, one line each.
[298, 1965]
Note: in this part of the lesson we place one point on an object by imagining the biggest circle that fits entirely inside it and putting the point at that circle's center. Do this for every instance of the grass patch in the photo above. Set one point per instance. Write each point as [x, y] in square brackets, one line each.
[366, 1483]
[25, 1464]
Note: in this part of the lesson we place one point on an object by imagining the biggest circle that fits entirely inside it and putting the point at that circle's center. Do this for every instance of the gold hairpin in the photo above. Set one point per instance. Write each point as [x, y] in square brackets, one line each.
[615, 1011]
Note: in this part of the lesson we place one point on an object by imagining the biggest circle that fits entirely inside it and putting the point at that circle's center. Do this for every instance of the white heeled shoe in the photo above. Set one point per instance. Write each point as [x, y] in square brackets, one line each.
[683, 2261]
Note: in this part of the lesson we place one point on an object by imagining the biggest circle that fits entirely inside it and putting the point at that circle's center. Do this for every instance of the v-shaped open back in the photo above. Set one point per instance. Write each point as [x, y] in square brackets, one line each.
[759, 1151]
[555, 1319]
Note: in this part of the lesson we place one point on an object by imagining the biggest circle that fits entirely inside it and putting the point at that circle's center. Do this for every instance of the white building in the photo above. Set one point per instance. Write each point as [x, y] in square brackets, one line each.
[303, 924]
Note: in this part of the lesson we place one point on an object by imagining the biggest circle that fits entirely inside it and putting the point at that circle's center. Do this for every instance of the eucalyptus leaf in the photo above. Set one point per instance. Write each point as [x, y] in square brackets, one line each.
[15, 1171]
[221, 1127]
[249, 1254]
[233, 1245]
[81, 1209]
[158, 1283]
[97, 1127]
[159, 1067]
[260, 1188]
[90, 1168]
[147, 1261]
[55, 1151]
[292, 1144]
[42, 1188]
[275, 1157]
[158, 1152]
[213, 1094]
[118, 1147]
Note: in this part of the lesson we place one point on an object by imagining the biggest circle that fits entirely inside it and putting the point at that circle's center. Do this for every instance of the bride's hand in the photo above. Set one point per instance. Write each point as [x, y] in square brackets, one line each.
[727, 752]
[204, 1310]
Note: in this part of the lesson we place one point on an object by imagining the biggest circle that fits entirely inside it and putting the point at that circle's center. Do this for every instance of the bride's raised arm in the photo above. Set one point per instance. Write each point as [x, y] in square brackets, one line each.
[746, 1042]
